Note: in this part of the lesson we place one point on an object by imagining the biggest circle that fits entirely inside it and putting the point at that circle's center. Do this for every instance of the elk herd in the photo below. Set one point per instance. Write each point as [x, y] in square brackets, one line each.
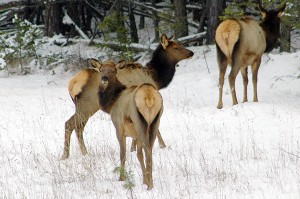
[129, 92]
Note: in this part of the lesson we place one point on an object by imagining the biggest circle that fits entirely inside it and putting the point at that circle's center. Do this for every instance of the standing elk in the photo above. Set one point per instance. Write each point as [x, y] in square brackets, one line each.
[241, 43]
[84, 89]
[136, 113]
[159, 71]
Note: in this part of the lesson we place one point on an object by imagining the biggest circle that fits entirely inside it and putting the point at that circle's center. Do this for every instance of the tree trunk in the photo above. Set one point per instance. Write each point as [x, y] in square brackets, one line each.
[215, 9]
[142, 20]
[53, 19]
[285, 40]
[121, 26]
[133, 29]
[73, 13]
[181, 29]
[155, 21]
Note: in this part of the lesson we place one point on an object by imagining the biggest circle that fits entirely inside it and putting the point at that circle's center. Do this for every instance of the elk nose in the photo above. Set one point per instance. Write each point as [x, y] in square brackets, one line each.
[191, 54]
[105, 79]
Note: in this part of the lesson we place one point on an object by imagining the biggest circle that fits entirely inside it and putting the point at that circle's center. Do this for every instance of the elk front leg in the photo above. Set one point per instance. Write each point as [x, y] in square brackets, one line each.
[122, 143]
[160, 140]
[255, 68]
[133, 145]
[244, 72]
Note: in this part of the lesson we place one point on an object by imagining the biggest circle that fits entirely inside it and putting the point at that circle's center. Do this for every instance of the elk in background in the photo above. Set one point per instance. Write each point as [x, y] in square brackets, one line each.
[136, 113]
[241, 43]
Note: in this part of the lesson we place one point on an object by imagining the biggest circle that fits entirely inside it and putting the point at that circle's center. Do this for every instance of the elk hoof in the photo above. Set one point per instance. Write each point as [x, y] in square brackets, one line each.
[220, 106]
[64, 156]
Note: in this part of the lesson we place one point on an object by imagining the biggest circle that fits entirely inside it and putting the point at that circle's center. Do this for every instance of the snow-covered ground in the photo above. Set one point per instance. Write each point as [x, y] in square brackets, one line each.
[250, 150]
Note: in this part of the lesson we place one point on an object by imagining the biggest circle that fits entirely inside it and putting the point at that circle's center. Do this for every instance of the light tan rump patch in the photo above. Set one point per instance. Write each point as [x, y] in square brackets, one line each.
[148, 101]
[227, 34]
[77, 82]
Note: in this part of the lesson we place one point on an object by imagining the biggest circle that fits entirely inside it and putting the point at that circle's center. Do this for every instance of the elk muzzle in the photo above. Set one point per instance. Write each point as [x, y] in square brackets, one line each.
[104, 80]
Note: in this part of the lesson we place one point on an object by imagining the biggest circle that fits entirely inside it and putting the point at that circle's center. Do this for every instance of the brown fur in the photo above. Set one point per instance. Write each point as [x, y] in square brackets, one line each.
[84, 88]
[136, 114]
[159, 72]
[241, 43]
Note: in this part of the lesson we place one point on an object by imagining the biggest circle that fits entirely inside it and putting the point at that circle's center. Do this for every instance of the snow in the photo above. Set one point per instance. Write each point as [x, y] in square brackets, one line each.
[250, 150]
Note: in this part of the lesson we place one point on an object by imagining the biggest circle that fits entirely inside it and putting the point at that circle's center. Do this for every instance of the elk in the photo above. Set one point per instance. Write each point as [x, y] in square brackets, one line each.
[84, 89]
[136, 113]
[241, 43]
[159, 71]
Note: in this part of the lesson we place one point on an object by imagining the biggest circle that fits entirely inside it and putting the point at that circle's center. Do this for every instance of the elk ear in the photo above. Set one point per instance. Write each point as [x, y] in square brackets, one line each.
[95, 63]
[280, 11]
[263, 11]
[164, 41]
[172, 38]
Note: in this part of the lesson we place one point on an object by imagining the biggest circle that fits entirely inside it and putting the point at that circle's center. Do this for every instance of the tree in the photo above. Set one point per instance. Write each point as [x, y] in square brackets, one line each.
[132, 24]
[215, 9]
[181, 18]
[53, 18]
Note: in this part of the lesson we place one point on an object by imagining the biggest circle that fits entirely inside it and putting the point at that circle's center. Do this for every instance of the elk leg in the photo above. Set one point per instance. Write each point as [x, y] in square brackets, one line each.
[160, 140]
[69, 127]
[149, 180]
[133, 145]
[122, 143]
[232, 76]
[244, 71]
[140, 157]
[222, 71]
[255, 67]
[79, 132]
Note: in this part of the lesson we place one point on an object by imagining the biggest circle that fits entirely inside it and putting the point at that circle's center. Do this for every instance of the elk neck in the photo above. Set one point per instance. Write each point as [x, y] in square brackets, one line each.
[272, 31]
[108, 96]
[163, 68]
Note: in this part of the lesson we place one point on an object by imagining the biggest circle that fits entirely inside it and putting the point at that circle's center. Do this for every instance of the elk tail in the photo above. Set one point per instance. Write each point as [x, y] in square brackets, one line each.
[227, 35]
[148, 102]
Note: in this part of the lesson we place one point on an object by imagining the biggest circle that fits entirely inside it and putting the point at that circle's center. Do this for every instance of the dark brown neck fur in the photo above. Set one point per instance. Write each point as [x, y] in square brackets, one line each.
[271, 26]
[163, 70]
[107, 97]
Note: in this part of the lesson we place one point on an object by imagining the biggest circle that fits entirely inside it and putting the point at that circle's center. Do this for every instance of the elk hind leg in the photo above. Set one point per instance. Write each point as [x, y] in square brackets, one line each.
[160, 142]
[69, 127]
[232, 76]
[222, 63]
[140, 157]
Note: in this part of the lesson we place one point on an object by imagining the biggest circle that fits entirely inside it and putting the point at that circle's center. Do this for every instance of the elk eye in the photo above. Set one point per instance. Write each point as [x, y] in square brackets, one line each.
[176, 48]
